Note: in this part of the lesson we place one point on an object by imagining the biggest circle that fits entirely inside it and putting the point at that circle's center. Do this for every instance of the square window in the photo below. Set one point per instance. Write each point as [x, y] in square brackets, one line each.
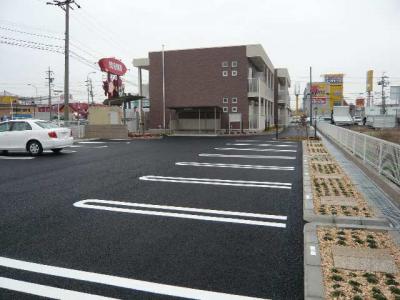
[234, 73]
[234, 64]
[225, 100]
[234, 100]
[225, 64]
[234, 109]
[225, 73]
[225, 109]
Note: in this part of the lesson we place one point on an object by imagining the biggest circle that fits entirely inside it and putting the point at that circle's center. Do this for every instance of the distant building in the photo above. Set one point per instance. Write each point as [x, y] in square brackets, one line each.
[215, 89]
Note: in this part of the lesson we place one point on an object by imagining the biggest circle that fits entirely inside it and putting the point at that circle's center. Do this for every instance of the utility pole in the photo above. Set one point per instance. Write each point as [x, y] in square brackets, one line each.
[89, 87]
[311, 96]
[163, 85]
[384, 82]
[50, 79]
[65, 6]
[297, 93]
[91, 91]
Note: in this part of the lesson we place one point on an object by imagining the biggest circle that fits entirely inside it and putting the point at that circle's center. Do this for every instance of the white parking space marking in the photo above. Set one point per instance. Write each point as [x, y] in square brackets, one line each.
[211, 181]
[17, 157]
[45, 291]
[74, 146]
[139, 285]
[63, 151]
[234, 166]
[99, 147]
[245, 156]
[261, 141]
[255, 149]
[92, 142]
[84, 204]
[260, 145]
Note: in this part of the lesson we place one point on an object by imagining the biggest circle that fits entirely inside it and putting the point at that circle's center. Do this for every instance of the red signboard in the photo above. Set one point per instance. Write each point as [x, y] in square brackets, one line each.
[112, 66]
[360, 102]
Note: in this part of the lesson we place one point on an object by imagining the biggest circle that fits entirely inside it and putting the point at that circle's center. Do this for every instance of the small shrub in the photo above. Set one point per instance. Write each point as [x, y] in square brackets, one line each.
[371, 278]
[357, 297]
[342, 238]
[352, 274]
[341, 243]
[336, 286]
[357, 289]
[370, 236]
[341, 232]
[359, 241]
[354, 283]
[395, 290]
[337, 293]
[391, 282]
[389, 276]
[334, 270]
[336, 277]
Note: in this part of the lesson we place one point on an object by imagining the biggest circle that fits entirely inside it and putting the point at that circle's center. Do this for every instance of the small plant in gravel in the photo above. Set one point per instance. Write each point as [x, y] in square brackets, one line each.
[352, 274]
[341, 243]
[357, 297]
[336, 286]
[334, 270]
[357, 289]
[354, 283]
[355, 208]
[389, 276]
[359, 241]
[372, 244]
[342, 238]
[377, 294]
[395, 290]
[337, 277]
[371, 278]
[341, 232]
[337, 293]
[391, 281]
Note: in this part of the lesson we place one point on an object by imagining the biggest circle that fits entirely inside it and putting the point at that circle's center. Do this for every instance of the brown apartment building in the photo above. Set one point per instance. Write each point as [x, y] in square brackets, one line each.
[215, 89]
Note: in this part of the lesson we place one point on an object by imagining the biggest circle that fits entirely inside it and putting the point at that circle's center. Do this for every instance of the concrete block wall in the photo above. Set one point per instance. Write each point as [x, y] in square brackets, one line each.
[106, 131]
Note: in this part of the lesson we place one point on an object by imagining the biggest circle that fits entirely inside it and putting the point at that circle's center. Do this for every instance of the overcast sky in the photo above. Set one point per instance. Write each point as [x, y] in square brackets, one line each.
[346, 36]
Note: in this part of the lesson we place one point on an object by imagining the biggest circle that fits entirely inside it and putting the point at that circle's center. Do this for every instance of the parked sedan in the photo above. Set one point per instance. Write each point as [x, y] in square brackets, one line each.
[33, 136]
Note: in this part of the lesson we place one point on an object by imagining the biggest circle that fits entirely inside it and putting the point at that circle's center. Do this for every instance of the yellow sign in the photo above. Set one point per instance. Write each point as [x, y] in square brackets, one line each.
[335, 89]
[7, 99]
[370, 77]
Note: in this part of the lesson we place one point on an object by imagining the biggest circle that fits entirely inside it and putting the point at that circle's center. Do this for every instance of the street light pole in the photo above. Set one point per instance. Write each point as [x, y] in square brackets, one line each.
[163, 84]
[89, 87]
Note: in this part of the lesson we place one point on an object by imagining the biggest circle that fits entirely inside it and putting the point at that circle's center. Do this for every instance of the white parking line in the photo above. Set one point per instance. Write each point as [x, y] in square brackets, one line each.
[261, 145]
[245, 156]
[260, 141]
[212, 181]
[17, 157]
[234, 166]
[92, 142]
[84, 203]
[74, 146]
[140, 285]
[255, 149]
[45, 291]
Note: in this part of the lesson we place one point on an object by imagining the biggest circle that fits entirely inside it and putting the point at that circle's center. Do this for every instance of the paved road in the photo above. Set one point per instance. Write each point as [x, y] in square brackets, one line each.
[168, 218]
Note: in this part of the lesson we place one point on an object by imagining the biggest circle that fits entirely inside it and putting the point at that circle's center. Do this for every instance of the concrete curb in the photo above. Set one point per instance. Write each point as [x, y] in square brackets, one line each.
[308, 205]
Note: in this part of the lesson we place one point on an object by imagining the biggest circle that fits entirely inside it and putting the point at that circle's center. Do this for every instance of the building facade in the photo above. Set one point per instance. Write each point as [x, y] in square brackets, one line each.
[212, 89]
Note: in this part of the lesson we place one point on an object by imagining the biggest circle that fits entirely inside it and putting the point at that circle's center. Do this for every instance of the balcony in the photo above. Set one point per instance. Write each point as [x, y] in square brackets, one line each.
[284, 97]
[257, 87]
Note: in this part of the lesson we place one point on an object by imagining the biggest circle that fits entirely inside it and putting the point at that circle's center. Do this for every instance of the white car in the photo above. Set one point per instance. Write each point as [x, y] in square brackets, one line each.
[33, 136]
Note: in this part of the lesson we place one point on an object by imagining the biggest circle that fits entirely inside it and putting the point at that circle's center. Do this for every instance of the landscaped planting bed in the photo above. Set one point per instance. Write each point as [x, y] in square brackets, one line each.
[361, 274]
[334, 193]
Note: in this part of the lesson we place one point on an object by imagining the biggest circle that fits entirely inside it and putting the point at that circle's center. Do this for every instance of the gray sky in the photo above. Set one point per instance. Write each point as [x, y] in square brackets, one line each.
[348, 36]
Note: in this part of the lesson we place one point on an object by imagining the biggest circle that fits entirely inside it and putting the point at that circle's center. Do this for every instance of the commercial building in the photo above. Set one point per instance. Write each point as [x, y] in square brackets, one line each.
[214, 89]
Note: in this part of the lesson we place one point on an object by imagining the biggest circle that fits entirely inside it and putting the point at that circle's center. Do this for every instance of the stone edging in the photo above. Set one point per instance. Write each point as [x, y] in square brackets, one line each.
[308, 205]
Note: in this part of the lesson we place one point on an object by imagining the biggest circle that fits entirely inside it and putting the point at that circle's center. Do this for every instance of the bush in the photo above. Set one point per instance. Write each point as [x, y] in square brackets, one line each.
[354, 283]
[391, 281]
[395, 290]
[337, 293]
[371, 278]
[357, 297]
[336, 277]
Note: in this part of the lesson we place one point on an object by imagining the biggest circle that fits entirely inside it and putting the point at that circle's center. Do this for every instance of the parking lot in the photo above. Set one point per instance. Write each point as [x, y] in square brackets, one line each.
[204, 218]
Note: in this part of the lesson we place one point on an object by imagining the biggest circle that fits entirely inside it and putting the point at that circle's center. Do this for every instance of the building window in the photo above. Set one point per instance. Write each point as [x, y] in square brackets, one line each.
[225, 100]
[225, 64]
[225, 73]
[234, 100]
[234, 73]
[234, 64]
[225, 109]
[234, 109]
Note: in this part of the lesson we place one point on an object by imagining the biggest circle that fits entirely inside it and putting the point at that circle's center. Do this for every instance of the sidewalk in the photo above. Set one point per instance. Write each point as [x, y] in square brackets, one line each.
[370, 190]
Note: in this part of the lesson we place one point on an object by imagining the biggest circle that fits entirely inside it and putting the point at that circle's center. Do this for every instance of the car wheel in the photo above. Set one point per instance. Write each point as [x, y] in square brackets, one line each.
[35, 148]
[57, 150]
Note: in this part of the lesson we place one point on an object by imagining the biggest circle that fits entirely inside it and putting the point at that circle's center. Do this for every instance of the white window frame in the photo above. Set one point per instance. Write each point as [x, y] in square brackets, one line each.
[225, 64]
[234, 100]
[225, 100]
[225, 109]
[234, 73]
[234, 109]
[225, 73]
[234, 64]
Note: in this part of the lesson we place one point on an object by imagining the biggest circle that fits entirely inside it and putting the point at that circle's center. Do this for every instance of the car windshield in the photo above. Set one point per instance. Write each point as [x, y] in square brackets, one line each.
[46, 125]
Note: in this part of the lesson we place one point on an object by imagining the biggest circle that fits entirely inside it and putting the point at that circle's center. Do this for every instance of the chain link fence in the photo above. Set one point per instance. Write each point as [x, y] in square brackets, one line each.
[383, 156]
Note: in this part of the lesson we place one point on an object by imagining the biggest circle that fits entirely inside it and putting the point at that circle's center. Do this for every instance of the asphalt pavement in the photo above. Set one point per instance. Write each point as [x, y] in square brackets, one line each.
[185, 217]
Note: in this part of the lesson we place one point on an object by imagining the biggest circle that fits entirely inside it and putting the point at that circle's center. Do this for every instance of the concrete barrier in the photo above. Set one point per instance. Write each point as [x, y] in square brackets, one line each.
[106, 131]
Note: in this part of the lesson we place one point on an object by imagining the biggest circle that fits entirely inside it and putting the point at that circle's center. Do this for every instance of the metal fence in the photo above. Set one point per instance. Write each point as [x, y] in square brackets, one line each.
[77, 128]
[383, 156]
